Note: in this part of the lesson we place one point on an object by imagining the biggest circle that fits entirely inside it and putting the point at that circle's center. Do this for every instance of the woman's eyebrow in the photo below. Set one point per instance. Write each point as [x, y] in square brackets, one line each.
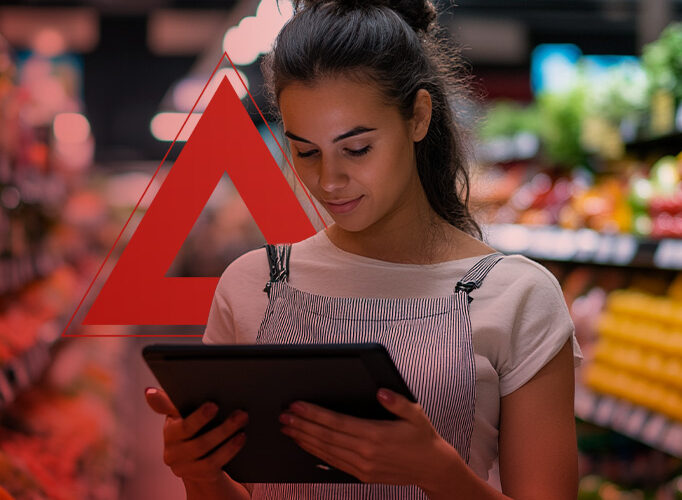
[350, 133]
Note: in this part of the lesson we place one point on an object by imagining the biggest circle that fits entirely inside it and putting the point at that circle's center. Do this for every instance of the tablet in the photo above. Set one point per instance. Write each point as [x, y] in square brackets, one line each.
[263, 380]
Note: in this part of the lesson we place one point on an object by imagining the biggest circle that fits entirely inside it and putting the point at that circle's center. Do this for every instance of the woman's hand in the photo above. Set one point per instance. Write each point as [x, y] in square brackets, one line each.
[189, 458]
[403, 451]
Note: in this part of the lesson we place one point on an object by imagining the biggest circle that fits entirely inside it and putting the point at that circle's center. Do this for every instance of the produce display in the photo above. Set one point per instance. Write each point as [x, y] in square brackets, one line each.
[639, 353]
[60, 432]
[41, 302]
[643, 201]
[64, 441]
[662, 61]
[614, 465]
[581, 173]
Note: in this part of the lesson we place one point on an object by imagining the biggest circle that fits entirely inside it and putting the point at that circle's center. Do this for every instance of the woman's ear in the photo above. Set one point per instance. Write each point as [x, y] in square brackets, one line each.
[421, 115]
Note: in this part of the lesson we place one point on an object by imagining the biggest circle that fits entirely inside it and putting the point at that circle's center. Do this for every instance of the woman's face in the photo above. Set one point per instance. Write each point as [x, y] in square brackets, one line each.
[354, 153]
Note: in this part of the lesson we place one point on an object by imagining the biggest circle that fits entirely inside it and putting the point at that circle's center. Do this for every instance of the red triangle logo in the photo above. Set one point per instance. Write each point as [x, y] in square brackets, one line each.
[225, 140]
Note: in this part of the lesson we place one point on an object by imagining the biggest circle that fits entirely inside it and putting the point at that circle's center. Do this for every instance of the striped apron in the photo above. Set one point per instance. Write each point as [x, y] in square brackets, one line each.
[429, 340]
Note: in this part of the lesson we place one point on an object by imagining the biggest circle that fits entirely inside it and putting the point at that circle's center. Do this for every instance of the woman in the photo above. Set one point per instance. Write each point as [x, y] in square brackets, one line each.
[484, 342]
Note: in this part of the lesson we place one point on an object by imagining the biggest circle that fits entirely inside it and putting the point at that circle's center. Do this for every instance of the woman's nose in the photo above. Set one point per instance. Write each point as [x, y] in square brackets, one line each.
[332, 175]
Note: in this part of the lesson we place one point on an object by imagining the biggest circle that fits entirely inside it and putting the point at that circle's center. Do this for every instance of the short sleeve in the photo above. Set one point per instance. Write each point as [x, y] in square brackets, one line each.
[541, 326]
[220, 325]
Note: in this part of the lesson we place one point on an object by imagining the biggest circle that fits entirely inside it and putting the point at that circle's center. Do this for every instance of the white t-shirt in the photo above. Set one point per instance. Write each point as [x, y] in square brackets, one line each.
[519, 317]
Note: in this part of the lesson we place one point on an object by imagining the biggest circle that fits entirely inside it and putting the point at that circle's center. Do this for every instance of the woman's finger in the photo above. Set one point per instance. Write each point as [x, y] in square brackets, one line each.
[344, 461]
[297, 426]
[181, 429]
[401, 406]
[340, 422]
[159, 401]
[226, 452]
[198, 447]
[210, 466]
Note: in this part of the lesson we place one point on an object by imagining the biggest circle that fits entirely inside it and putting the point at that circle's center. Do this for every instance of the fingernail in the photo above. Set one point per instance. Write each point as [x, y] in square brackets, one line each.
[385, 395]
[285, 418]
[298, 407]
[210, 409]
[151, 390]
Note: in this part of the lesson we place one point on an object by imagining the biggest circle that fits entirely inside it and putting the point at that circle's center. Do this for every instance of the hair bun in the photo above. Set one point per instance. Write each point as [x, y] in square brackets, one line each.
[419, 14]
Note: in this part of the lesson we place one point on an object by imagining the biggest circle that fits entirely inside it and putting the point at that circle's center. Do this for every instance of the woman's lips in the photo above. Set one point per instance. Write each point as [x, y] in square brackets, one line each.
[342, 208]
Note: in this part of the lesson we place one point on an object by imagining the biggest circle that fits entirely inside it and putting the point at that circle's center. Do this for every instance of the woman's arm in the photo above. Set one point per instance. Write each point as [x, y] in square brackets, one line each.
[538, 451]
[538, 446]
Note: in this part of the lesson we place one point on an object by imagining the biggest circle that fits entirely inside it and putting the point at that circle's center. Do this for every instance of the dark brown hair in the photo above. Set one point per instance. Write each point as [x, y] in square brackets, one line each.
[398, 46]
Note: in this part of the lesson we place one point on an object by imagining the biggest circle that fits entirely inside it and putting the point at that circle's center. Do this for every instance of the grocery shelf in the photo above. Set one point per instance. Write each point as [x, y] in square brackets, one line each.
[651, 428]
[585, 246]
[25, 369]
[666, 144]
[16, 272]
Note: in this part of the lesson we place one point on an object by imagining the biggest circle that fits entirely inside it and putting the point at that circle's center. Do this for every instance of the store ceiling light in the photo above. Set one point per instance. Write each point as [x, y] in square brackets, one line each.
[165, 126]
[49, 42]
[71, 128]
[77, 26]
[255, 35]
[187, 91]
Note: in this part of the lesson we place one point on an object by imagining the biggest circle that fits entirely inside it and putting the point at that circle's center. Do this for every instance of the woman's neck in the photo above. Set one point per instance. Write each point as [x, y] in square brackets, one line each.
[416, 241]
[428, 245]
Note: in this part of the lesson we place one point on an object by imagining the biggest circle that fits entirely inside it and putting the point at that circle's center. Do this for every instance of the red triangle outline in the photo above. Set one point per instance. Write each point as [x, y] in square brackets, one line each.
[159, 298]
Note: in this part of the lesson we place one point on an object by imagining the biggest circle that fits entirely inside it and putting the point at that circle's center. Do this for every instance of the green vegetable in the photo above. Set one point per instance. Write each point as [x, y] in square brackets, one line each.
[561, 116]
[506, 119]
[662, 60]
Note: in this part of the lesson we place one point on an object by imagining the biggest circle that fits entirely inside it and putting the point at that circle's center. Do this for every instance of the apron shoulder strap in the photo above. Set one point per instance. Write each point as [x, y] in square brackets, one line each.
[474, 277]
[278, 262]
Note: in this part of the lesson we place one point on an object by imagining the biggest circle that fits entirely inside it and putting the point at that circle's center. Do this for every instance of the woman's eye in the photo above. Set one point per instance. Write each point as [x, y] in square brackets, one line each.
[359, 152]
[305, 154]
[352, 152]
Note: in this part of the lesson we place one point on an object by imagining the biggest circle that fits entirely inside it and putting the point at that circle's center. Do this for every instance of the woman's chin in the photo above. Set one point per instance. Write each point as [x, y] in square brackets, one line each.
[349, 224]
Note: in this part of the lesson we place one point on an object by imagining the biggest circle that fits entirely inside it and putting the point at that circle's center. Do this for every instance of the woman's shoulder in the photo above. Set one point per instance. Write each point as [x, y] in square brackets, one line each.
[253, 266]
[519, 269]
[247, 263]
[245, 275]
[519, 286]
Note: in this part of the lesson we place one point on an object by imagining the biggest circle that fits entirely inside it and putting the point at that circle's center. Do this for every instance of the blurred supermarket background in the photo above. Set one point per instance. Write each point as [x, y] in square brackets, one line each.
[578, 130]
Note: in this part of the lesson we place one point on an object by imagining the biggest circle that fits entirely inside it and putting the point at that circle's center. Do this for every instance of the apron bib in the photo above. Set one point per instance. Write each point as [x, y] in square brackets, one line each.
[429, 340]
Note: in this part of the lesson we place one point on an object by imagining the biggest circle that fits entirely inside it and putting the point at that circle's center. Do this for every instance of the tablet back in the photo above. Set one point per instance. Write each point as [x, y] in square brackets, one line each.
[263, 380]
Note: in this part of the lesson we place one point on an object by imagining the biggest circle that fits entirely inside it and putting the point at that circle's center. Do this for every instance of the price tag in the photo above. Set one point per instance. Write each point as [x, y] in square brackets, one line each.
[673, 440]
[543, 243]
[654, 428]
[669, 254]
[625, 249]
[604, 249]
[621, 415]
[565, 245]
[605, 409]
[587, 242]
[636, 421]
